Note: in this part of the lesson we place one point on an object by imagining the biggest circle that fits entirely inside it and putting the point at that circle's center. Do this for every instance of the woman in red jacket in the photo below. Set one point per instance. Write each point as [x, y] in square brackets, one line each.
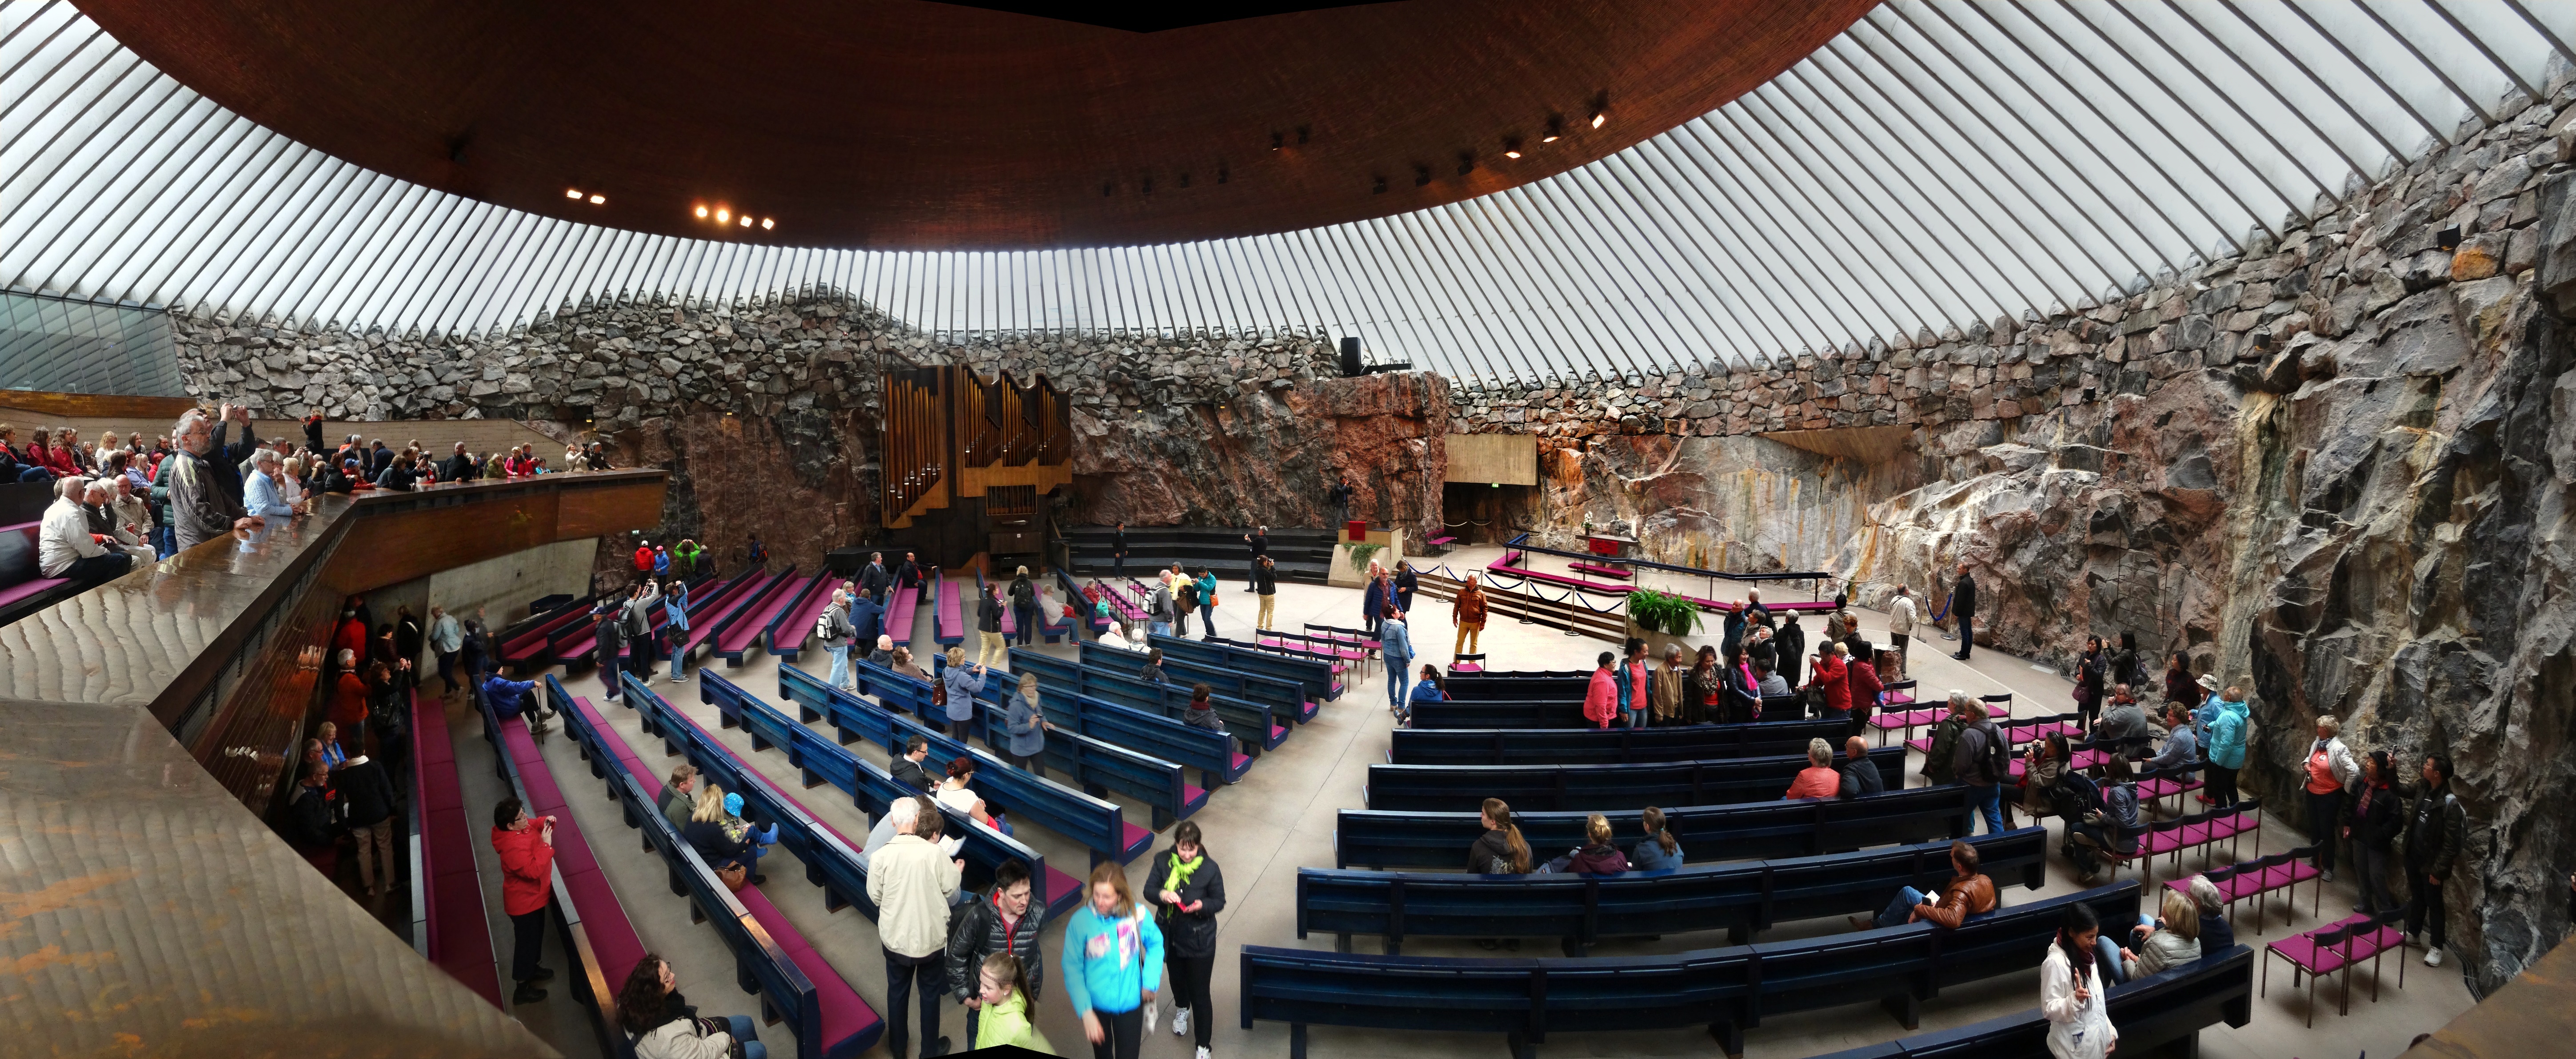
[1601, 700]
[349, 705]
[1828, 677]
[527, 849]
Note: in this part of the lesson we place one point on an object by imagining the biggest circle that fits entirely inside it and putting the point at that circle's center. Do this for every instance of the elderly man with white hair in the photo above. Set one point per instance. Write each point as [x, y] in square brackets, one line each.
[130, 510]
[260, 494]
[98, 504]
[66, 548]
[201, 507]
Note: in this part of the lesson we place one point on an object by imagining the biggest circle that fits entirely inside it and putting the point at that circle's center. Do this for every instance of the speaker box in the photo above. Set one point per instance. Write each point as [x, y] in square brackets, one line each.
[1351, 357]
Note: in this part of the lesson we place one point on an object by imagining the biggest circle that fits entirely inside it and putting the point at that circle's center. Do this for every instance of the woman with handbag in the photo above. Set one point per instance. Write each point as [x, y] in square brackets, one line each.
[716, 844]
[2090, 669]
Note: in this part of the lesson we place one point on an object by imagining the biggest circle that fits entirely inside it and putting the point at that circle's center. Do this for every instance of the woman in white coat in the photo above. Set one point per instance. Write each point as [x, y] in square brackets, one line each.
[2071, 993]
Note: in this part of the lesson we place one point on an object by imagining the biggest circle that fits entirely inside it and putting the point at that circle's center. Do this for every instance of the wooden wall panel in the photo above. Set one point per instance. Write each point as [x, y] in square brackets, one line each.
[600, 512]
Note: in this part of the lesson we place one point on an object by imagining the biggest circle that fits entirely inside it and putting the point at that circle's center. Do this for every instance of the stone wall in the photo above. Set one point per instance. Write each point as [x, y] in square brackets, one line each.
[2334, 469]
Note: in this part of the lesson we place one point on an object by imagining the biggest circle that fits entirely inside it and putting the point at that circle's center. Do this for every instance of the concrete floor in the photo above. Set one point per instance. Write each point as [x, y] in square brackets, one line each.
[1281, 817]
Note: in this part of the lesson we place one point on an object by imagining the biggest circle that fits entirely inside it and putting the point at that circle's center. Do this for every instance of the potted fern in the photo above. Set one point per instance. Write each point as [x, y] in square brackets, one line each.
[1661, 620]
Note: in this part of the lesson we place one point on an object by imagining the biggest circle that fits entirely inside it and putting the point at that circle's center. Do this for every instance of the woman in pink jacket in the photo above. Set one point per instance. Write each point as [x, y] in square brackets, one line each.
[1601, 701]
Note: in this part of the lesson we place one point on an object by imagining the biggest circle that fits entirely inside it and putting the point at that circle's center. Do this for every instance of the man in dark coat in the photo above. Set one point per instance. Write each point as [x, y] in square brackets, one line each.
[1963, 605]
[986, 925]
[1860, 774]
[1259, 540]
[874, 579]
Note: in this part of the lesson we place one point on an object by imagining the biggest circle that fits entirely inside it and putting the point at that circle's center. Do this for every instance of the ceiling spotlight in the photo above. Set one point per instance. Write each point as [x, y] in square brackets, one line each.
[1598, 117]
[572, 193]
[1107, 188]
[1555, 128]
[596, 200]
[767, 224]
[702, 213]
[746, 220]
[1421, 175]
[1223, 174]
[1512, 147]
[723, 215]
[1378, 187]
[1466, 162]
[1600, 108]
[1278, 140]
[1301, 134]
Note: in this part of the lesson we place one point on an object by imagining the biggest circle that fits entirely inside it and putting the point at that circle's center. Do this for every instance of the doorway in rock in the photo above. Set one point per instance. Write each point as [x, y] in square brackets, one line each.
[1482, 513]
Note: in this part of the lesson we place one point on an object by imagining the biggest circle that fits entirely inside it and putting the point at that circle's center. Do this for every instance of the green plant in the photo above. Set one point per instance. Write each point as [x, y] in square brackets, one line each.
[1360, 554]
[1656, 612]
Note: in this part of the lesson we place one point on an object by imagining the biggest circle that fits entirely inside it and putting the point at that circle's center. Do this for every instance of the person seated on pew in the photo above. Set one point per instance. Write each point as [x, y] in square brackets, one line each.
[1860, 774]
[2123, 717]
[1432, 688]
[957, 792]
[2216, 933]
[884, 654]
[1500, 850]
[2173, 940]
[679, 798]
[1967, 893]
[907, 769]
[509, 696]
[1765, 681]
[1818, 779]
[1660, 850]
[1596, 856]
[2043, 764]
[662, 1024]
[1201, 712]
[2108, 819]
[735, 826]
[1153, 671]
[717, 844]
[901, 662]
[2182, 748]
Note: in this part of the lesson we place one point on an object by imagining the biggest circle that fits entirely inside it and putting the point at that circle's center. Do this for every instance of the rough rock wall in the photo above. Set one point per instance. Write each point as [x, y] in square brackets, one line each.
[2363, 514]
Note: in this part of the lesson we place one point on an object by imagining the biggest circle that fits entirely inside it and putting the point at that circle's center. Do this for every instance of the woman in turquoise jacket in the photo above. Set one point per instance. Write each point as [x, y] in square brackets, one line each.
[2227, 727]
[1113, 960]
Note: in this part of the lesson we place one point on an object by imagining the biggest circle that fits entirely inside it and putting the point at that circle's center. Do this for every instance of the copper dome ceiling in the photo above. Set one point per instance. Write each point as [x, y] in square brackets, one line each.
[899, 124]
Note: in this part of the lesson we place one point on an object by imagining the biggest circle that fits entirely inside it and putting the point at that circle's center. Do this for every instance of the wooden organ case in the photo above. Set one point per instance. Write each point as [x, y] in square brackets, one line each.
[966, 465]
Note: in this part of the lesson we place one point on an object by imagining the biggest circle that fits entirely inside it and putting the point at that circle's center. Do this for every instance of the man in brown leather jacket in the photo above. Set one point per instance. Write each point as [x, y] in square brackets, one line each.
[1968, 892]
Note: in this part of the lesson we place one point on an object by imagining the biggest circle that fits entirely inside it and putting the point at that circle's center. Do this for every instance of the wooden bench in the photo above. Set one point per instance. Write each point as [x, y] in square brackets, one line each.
[1441, 543]
[899, 615]
[1612, 746]
[948, 615]
[1090, 822]
[1384, 839]
[705, 612]
[527, 643]
[1253, 722]
[594, 931]
[796, 984]
[1728, 991]
[454, 931]
[1315, 677]
[1614, 573]
[1739, 897]
[1284, 697]
[1095, 765]
[743, 629]
[1220, 757]
[2151, 1012]
[794, 623]
[1600, 788]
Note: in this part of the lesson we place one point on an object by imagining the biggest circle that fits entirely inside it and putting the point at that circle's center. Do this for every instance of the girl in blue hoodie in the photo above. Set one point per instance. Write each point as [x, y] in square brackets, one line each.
[1113, 960]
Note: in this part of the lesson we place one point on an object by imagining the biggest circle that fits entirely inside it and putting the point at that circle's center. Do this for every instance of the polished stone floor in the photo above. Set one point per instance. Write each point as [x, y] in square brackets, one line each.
[1281, 817]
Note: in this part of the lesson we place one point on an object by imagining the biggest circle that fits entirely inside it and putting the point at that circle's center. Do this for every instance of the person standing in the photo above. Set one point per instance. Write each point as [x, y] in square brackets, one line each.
[2436, 830]
[1630, 678]
[675, 629]
[2070, 992]
[999, 924]
[202, 508]
[914, 577]
[1113, 963]
[1024, 728]
[1963, 605]
[912, 881]
[836, 633]
[367, 807]
[1406, 583]
[1601, 696]
[611, 643]
[1185, 599]
[1468, 612]
[988, 626]
[1901, 614]
[1373, 599]
[1024, 607]
[874, 578]
[1396, 648]
[1259, 541]
[2330, 769]
[2226, 747]
[1187, 891]
[1118, 551]
[755, 554]
[526, 848]
[2372, 826]
[1669, 687]
[962, 682]
[2092, 669]
[1207, 603]
[1265, 587]
[1830, 682]
[1980, 762]
[446, 637]
[1340, 498]
[1159, 609]
[639, 629]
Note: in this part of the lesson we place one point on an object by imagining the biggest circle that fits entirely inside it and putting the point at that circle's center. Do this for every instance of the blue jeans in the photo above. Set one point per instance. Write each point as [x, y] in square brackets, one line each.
[1159, 628]
[1636, 718]
[1398, 669]
[840, 677]
[607, 675]
[748, 1033]
[1900, 909]
[2106, 954]
[1990, 802]
[165, 541]
[679, 663]
[1207, 620]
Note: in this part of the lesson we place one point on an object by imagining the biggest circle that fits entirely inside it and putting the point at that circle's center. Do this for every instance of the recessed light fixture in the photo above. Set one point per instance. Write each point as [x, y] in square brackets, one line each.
[723, 215]
[1555, 128]
[572, 193]
[1600, 108]
[1278, 140]
[1598, 117]
[767, 224]
[1466, 162]
[1378, 187]
[1421, 175]
[1511, 147]
[702, 213]
[596, 200]
[746, 220]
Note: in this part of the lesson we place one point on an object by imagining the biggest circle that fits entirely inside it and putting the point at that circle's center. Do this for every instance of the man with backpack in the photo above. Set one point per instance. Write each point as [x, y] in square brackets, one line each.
[611, 644]
[1982, 762]
[639, 628]
[1158, 610]
[833, 628]
[1940, 760]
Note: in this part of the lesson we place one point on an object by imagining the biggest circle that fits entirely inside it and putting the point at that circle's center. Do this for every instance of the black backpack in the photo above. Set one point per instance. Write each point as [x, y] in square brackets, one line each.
[1996, 761]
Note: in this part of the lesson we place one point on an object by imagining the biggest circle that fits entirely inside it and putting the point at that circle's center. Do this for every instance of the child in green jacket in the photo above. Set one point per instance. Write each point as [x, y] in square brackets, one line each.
[1004, 1018]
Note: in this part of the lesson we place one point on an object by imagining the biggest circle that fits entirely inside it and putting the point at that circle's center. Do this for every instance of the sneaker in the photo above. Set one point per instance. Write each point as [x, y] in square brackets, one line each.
[528, 993]
[2433, 958]
[1153, 1012]
[2327, 876]
[1203, 1052]
[1181, 1022]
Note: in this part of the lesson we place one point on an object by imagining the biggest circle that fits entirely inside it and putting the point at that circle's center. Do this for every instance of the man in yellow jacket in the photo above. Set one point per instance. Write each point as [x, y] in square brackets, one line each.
[911, 881]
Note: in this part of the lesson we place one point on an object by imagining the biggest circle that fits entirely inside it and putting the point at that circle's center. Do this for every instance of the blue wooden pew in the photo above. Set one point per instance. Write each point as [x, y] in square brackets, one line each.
[2150, 1012]
[1286, 698]
[1315, 676]
[826, 1016]
[1728, 990]
[1384, 839]
[1096, 765]
[1602, 788]
[1095, 824]
[1252, 722]
[1610, 746]
[819, 760]
[1740, 897]
[831, 859]
[1218, 756]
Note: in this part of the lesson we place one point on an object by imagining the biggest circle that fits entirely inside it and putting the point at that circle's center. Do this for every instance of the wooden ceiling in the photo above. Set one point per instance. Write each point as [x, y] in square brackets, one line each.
[895, 124]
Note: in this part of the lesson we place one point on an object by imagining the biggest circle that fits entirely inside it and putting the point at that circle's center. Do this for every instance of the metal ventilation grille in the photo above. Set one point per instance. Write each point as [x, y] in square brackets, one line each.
[1942, 162]
[74, 346]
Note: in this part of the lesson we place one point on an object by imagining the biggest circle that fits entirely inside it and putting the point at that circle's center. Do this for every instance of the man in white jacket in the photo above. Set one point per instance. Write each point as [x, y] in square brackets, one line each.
[1900, 623]
[912, 881]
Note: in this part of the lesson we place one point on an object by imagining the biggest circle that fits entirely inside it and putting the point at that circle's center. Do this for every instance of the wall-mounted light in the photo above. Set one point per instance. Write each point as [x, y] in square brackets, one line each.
[1421, 175]
[1466, 162]
[1600, 108]
[2449, 239]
